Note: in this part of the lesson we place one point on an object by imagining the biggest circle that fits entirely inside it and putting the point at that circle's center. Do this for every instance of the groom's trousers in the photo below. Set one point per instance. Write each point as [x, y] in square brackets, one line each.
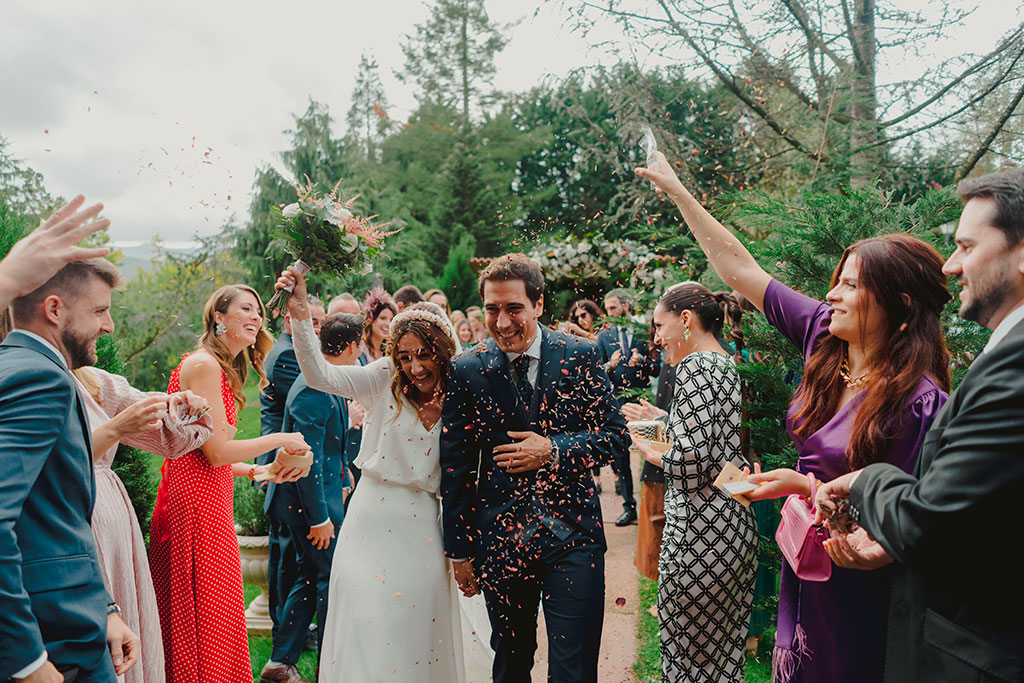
[568, 580]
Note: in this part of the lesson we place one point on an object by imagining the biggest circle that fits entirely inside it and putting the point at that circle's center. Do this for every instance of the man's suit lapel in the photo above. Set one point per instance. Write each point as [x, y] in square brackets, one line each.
[17, 338]
[552, 356]
[496, 369]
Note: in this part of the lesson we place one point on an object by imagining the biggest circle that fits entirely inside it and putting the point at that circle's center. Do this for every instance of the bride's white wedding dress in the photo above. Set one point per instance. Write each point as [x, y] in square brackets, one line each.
[393, 608]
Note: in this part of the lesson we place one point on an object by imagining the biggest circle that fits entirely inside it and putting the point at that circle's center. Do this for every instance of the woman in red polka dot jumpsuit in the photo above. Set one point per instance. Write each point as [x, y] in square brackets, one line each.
[193, 549]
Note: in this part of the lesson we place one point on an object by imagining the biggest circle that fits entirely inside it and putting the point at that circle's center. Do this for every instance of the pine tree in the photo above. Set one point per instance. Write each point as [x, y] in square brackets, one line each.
[367, 117]
[451, 55]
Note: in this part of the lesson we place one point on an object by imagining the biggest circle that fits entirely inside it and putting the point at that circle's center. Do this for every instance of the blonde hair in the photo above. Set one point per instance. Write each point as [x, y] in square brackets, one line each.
[89, 381]
[235, 367]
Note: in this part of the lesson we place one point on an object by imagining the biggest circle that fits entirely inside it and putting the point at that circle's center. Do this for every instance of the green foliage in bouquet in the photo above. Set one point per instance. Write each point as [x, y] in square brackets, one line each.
[324, 235]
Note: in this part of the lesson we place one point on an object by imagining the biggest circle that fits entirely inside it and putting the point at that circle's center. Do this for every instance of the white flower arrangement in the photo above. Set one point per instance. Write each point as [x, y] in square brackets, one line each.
[594, 258]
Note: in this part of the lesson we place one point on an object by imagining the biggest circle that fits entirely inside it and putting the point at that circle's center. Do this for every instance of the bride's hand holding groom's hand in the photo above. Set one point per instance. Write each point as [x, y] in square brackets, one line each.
[465, 577]
[529, 451]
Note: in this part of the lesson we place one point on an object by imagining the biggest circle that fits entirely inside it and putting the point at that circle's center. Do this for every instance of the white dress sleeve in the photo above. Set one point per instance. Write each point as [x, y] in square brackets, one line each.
[362, 383]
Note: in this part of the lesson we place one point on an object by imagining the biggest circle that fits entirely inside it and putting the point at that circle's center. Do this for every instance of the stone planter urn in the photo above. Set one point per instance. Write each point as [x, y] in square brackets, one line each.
[255, 552]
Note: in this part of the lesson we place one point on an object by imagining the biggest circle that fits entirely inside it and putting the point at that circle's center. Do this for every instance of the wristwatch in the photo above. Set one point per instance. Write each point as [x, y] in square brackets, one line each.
[113, 608]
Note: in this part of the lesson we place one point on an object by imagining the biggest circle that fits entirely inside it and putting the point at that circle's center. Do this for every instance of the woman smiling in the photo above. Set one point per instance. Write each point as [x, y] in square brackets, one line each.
[876, 374]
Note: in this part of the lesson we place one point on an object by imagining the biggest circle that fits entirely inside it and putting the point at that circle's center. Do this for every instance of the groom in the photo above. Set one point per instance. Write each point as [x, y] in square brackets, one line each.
[527, 414]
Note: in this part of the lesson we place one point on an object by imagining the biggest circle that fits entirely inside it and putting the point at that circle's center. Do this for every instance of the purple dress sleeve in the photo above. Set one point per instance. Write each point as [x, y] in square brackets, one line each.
[917, 417]
[800, 319]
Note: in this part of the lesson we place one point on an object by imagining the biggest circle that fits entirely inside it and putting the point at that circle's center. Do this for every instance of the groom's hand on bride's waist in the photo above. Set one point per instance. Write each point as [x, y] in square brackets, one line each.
[528, 451]
[464, 576]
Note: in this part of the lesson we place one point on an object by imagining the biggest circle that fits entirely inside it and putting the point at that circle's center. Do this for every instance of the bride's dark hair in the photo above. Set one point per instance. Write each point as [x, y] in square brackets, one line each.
[438, 340]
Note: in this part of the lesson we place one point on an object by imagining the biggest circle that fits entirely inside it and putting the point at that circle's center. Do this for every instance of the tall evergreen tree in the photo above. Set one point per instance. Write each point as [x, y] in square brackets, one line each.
[367, 118]
[451, 55]
[314, 154]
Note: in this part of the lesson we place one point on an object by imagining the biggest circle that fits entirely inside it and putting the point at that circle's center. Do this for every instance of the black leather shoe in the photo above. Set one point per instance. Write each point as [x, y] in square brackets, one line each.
[626, 518]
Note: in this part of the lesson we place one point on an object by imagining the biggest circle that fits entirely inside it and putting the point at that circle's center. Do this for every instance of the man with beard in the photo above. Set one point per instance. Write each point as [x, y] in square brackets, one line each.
[57, 621]
[957, 599]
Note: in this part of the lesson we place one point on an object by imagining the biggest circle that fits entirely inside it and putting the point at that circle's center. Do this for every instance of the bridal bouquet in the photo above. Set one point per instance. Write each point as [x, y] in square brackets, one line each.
[323, 234]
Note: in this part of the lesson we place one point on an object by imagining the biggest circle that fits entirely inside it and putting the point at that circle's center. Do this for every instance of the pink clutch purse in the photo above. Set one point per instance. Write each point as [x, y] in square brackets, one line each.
[801, 542]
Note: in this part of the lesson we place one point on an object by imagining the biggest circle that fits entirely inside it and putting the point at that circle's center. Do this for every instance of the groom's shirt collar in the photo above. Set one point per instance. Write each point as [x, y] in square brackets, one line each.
[533, 352]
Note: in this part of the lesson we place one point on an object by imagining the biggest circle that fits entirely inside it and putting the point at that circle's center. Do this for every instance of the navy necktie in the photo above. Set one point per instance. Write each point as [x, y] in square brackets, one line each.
[623, 343]
[521, 377]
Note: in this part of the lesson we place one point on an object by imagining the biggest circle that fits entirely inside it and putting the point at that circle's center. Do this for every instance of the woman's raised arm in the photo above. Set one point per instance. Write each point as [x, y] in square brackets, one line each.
[730, 259]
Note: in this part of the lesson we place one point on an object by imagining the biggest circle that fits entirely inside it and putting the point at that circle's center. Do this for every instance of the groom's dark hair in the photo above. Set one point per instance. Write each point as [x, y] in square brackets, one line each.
[515, 267]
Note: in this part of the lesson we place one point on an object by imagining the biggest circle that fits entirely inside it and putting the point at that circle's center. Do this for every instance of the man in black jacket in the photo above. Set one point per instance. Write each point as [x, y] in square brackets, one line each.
[957, 601]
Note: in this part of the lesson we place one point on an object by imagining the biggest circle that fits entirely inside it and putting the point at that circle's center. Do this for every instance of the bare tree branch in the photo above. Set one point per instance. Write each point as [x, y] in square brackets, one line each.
[970, 71]
[804, 22]
[973, 160]
[729, 81]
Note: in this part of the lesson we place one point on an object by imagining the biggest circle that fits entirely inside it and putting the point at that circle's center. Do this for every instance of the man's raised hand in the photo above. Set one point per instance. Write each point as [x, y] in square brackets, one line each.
[38, 256]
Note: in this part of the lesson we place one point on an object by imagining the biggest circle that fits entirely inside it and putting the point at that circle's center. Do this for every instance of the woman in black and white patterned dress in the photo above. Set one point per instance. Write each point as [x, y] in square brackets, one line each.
[709, 547]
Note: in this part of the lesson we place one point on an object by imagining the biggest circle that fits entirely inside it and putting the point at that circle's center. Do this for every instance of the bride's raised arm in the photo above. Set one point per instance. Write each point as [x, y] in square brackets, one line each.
[360, 383]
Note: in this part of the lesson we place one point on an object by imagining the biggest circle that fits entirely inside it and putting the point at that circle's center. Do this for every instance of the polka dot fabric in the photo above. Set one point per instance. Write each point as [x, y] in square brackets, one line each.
[196, 567]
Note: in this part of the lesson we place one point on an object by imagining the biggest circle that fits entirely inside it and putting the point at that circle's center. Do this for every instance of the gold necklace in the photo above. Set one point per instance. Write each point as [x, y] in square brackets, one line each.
[852, 382]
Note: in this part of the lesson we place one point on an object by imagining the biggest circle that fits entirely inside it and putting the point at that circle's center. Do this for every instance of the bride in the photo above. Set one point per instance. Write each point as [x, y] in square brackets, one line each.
[393, 606]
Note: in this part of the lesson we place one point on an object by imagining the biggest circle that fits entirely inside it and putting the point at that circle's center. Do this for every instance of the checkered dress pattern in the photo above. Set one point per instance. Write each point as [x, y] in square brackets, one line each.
[709, 548]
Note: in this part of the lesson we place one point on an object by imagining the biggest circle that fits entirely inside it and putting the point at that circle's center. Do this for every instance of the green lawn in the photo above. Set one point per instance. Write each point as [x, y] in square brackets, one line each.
[648, 653]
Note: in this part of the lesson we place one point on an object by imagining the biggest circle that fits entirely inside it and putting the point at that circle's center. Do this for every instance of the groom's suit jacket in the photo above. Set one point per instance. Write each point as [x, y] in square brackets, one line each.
[489, 512]
[958, 597]
[52, 596]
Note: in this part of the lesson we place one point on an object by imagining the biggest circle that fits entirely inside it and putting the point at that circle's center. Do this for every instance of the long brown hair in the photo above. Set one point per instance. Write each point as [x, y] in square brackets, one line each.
[904, 276]
[438, 340]
[235, 367]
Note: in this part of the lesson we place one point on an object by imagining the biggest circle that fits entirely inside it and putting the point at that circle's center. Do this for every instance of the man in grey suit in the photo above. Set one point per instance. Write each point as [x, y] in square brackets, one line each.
[57, 621]
[957, 601]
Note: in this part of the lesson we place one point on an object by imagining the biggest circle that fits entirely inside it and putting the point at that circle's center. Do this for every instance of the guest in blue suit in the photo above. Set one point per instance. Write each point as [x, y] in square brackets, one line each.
[312, 507]
[527, 414]
[56, 617]
[282, 369]
[630, 365]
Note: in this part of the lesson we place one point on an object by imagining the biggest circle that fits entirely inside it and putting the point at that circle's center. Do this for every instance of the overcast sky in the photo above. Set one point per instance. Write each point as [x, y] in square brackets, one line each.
[163, 111]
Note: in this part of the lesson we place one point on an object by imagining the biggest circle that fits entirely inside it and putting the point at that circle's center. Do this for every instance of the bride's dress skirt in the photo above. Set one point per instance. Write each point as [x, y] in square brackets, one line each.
[393, 610]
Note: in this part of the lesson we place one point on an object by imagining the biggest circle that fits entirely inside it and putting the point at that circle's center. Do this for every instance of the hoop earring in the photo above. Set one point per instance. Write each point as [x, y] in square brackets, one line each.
[219, 330]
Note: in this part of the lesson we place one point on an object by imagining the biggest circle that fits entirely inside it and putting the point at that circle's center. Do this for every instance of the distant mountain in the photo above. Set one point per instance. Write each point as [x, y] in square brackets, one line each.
[141, 256]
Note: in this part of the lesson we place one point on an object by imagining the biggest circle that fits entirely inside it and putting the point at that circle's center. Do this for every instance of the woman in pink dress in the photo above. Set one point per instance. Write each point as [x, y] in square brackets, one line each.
[193, 548]
[119, 413]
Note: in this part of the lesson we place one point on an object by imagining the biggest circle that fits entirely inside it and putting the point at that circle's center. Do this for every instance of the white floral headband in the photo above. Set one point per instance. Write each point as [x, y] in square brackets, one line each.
[429, 312]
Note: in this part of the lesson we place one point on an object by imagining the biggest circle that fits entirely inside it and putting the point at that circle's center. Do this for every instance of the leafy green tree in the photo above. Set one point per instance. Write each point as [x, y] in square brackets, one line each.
[451, 55]
[457, 280]
[22, 188]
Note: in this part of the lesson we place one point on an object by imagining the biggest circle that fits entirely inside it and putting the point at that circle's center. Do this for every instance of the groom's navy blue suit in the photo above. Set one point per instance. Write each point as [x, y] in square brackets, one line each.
[52, 596]
[536, 533]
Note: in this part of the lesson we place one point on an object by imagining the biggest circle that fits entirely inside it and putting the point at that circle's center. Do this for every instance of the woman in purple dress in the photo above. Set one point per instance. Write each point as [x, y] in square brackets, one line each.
[876, 373]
